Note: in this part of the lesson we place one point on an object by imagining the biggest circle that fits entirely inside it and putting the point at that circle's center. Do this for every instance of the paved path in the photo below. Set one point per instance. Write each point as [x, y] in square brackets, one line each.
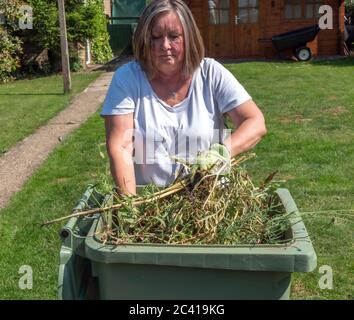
[17, 165]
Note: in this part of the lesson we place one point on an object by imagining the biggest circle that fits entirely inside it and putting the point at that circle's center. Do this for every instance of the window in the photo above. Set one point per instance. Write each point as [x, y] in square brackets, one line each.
[219, 11]
[248, 11]
[302, 9]
[292, 9]
[312, 8]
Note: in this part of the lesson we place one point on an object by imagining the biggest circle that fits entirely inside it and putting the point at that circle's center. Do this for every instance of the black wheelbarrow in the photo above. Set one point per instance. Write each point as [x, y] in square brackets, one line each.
[296, 40]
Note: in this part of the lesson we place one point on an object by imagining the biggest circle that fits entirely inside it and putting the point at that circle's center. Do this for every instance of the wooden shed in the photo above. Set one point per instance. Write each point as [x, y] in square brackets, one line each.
[233, 28]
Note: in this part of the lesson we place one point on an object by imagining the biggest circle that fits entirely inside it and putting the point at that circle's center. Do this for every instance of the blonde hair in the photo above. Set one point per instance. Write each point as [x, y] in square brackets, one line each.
[193, 42]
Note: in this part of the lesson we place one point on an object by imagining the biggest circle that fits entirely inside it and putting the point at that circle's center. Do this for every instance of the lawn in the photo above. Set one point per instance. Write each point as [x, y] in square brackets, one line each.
[310, 114]
[25, 105]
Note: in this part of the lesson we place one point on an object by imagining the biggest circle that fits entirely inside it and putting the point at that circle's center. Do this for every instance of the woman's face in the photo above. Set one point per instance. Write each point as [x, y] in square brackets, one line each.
[167, 43]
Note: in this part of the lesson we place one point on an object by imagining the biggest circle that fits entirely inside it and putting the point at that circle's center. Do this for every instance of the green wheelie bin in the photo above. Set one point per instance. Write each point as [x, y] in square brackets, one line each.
[90, 269]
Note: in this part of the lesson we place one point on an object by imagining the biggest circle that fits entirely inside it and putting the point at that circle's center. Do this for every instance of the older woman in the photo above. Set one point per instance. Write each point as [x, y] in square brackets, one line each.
[169, 103]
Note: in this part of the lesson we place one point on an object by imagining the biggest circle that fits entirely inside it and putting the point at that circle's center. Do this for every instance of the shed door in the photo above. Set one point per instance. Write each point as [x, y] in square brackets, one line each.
[220, 29]
[233, 28]
[247, 28]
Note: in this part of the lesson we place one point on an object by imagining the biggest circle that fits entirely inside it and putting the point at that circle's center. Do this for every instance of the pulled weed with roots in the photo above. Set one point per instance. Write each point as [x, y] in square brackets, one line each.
[219, 210]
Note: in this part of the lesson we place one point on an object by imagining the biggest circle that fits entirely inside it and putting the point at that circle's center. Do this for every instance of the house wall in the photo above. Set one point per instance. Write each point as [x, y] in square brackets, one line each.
[196, 6]
[328, 42]
[107, 7]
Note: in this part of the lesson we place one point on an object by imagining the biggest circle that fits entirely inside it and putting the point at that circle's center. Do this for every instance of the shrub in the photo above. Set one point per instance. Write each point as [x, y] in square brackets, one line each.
[10, 48]
[10, 44]
[75, 64]
[349, 10]
[99, 36]
[84, 21]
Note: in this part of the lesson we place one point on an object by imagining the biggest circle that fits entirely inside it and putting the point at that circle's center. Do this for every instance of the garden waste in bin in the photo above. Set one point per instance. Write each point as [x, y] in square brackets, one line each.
[90, 269]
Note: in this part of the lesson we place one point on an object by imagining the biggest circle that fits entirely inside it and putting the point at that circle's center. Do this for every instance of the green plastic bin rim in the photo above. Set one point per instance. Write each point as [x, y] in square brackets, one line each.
[296, 256]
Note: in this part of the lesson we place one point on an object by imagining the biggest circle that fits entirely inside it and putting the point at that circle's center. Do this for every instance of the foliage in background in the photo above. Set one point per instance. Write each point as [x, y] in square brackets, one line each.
[10, 45]
[349, 9]
[75, 64]
[349, 4]
[45, 30]
[97, 31]
[9, 10]
[85, 21]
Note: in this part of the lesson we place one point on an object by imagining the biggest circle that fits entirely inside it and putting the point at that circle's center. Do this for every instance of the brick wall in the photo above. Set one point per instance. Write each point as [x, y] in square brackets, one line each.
[107, 7]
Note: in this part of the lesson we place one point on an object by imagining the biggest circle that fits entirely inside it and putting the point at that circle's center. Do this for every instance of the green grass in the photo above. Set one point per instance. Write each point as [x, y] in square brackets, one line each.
[25, 105]
[310, 146]
[51, 192]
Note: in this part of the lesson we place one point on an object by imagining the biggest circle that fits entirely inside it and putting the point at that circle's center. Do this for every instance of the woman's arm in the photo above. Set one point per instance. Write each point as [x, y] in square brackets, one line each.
[119, 142]
[250, 128]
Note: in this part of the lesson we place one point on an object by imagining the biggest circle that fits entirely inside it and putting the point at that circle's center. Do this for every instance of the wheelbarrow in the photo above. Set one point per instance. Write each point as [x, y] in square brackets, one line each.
[296, 40]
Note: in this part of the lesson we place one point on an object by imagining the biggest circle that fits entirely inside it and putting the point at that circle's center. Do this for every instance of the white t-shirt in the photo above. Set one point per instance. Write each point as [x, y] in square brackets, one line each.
[181, 131]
